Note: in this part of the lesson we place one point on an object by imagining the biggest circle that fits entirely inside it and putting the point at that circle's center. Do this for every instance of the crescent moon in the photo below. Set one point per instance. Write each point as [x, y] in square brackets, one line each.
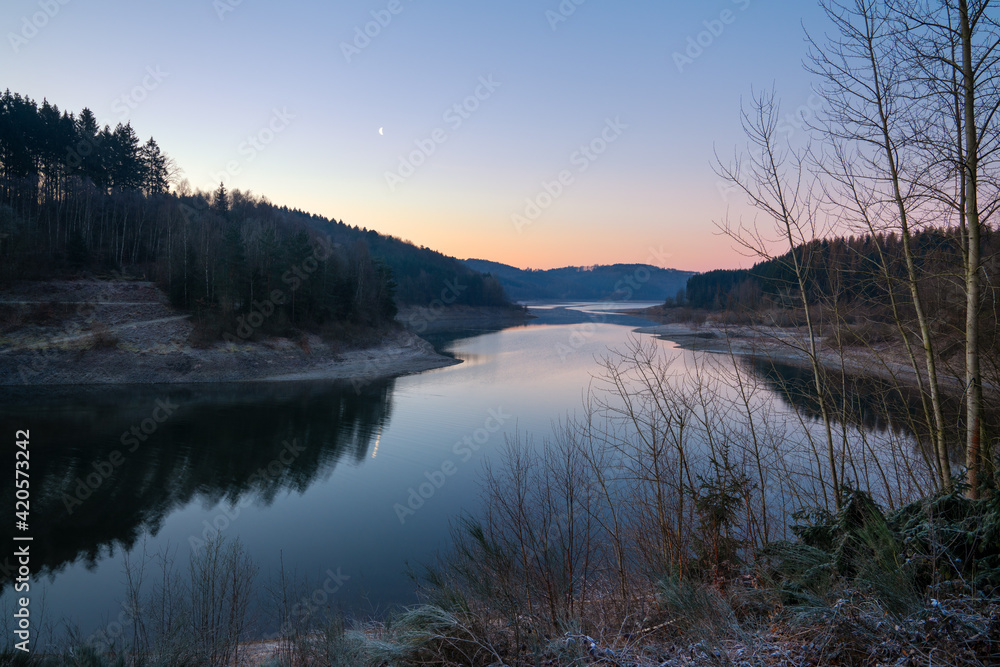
[380, 130]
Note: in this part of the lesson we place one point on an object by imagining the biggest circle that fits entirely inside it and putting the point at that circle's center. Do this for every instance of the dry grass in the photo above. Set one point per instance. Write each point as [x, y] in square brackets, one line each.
[50, 313]
[862, 334]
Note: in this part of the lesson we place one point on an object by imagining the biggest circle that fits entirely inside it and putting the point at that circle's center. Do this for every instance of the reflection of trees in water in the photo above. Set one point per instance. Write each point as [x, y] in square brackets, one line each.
[873, 404]
[221, 444]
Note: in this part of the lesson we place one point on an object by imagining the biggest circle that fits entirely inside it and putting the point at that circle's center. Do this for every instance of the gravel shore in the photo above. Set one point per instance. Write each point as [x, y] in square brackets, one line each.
[117, 332]
[790, 346]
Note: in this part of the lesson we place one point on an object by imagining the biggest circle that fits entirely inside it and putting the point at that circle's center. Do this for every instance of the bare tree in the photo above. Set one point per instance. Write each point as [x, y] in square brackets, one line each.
[954, 48]
[776, 182]
[871, 170]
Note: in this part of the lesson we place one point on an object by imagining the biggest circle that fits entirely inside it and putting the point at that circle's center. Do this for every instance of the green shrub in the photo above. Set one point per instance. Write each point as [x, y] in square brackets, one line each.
[950, 537]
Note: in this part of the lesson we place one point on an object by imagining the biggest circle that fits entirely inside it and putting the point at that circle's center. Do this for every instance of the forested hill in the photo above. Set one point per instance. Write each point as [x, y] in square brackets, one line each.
[422, 275]
[77, 199]
[856, 270]
[623, 282]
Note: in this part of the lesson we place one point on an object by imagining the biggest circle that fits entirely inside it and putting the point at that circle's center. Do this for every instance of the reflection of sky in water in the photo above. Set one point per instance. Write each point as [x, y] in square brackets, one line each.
[612, 306]
[345, 517]
[590, 306]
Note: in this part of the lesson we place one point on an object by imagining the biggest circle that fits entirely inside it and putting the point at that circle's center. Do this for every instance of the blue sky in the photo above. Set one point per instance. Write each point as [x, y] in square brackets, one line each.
[579, 137]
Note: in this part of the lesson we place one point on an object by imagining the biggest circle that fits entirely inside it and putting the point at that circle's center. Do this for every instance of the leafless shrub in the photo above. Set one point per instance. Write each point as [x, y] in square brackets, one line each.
[198, 619]
[221, 577]
[102, 337]
[204, 333]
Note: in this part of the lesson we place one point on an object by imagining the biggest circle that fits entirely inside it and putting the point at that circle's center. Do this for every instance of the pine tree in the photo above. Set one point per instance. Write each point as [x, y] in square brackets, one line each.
[220, 201]
[154, 167]
[126, 162]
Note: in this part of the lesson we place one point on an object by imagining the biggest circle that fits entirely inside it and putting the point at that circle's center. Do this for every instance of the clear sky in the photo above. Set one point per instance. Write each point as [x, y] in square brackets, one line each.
[286, 99]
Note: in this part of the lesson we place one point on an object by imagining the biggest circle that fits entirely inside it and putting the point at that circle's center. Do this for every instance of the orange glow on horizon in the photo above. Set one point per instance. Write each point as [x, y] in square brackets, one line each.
[552, 249]
[571, 236]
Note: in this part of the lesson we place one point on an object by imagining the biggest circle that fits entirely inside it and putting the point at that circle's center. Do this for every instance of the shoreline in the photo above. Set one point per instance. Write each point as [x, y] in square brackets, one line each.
[276, 360]
[430, 319]
[789, 346]
[95, 332]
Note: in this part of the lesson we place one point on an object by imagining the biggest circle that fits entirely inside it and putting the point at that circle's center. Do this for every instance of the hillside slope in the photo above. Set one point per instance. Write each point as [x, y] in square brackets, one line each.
[619, 282]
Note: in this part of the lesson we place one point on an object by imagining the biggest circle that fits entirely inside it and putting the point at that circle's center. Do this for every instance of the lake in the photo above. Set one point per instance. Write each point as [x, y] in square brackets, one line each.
[327, 481]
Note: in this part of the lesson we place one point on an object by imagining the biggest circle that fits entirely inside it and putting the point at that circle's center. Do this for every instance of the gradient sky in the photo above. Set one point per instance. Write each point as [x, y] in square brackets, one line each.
[203, 76]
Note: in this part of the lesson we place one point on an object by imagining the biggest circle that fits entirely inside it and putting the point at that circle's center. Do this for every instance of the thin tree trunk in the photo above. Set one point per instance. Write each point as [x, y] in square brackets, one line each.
[973, 381]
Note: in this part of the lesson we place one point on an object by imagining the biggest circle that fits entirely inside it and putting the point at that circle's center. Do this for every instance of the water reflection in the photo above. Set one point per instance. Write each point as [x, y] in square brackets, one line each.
[111, 463]
[871, 403]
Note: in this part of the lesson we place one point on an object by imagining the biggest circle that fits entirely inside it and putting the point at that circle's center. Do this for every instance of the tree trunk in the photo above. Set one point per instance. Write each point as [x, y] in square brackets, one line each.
[973, 381]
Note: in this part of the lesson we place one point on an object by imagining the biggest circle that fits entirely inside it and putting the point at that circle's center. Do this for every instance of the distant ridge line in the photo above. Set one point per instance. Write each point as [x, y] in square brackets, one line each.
[596, 282]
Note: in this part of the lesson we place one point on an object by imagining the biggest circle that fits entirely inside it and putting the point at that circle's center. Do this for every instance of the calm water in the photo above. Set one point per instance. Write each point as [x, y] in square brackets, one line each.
[313, 476]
